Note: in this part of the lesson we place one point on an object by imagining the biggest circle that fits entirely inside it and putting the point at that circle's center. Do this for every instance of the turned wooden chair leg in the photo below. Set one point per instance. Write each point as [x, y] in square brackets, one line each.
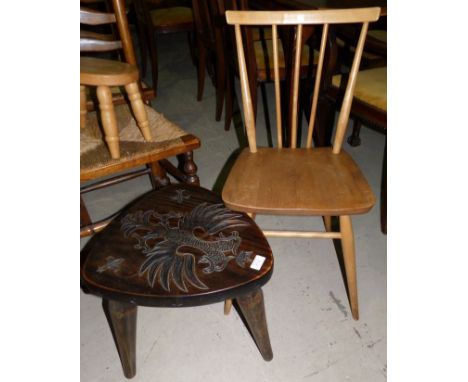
[253, 310]
[109, 121]
[122, 318]
[383, 193]
[227, 306]
[189, 168]
[201, 69]
[83, 111]
[354, 139]
[347, 244]
[139, 110]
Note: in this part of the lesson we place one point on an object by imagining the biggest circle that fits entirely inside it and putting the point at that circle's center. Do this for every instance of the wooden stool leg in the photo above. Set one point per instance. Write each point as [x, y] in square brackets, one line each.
[123, 318]
[347, 243]
[82, 106]
[253, 310]
[109, 121]
[138, 108]
[227, 306]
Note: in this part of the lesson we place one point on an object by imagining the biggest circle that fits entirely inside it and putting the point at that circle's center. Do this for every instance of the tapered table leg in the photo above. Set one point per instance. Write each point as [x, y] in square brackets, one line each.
[253, 310]
[123, 318]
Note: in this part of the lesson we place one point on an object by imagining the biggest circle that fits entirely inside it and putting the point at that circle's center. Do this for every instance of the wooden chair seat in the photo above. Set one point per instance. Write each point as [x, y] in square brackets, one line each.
[378, 34]
[166, 17]
[167, 140]
[297, 182]
[371, 87]
[261, 34]
[98, 72]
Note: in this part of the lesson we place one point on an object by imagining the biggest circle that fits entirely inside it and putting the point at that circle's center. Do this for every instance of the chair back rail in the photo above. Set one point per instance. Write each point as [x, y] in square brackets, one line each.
[97, 42]
[299, 19]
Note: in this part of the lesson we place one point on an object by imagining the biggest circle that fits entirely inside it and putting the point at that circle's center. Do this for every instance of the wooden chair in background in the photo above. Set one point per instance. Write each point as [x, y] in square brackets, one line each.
[324, 181]
[210, 30]
[132, 154]
[156, 17]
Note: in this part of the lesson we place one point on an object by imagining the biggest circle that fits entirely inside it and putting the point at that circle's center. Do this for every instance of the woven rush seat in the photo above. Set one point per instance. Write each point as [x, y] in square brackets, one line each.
[371, 87]
[95, 159]
[264, 49]
[165, 17]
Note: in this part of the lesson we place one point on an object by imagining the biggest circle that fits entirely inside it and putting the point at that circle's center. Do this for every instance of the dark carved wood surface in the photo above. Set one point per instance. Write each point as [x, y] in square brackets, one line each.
[177, 246]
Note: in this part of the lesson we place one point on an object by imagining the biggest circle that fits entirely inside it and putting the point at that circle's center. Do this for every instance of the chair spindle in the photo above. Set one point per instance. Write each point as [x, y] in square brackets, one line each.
[297, 68]
[279, 129]
[246, 98]
[348, 96]
[318, 77]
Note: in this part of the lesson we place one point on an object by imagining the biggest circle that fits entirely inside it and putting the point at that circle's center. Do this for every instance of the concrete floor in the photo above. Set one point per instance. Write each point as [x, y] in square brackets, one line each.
[312, 333]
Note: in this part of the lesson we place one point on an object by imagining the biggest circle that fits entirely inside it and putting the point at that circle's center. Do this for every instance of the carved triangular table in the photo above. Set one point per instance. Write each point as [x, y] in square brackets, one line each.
[176, 247]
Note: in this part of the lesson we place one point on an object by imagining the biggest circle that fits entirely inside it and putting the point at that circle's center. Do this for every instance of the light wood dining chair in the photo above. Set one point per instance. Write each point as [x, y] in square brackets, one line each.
[323, 182]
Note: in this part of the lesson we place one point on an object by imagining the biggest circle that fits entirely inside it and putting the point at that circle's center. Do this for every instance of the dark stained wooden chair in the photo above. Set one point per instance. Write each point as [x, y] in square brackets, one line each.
[156, 17]
[323, 182]
[177, 247]
[140, 139]
[209, 27]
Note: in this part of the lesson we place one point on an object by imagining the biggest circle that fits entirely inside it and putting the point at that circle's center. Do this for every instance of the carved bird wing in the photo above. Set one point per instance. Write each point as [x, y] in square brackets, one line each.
[165, 263]
[212, 218]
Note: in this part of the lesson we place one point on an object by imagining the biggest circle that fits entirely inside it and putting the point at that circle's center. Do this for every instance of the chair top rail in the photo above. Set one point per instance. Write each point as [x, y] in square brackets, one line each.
[326, 16]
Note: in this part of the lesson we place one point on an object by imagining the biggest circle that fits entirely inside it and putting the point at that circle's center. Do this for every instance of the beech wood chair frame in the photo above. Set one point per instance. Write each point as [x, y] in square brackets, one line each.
[301, 18]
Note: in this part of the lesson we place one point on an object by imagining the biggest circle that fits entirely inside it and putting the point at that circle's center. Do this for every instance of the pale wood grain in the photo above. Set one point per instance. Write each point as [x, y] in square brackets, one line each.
[303, 234]
[245, 89]
[297, 182]
[138, 108]
[347, 244]
[279, 130]
[109, 121]
[98, 71]
[318, 77]
[332, 16]
[297, 66]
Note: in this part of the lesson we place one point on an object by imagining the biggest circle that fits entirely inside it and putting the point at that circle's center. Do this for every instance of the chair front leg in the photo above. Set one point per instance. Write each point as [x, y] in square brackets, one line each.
[347, 243]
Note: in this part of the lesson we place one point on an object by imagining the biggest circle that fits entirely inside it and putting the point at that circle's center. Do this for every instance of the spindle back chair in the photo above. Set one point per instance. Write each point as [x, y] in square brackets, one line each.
[321, 181]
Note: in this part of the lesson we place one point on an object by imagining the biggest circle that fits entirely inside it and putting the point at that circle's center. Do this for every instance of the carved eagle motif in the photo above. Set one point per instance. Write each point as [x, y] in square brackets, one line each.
[165, 262]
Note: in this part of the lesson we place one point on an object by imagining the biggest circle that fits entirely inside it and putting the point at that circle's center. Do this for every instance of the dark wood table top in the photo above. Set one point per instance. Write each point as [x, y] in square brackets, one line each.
[178, 246]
